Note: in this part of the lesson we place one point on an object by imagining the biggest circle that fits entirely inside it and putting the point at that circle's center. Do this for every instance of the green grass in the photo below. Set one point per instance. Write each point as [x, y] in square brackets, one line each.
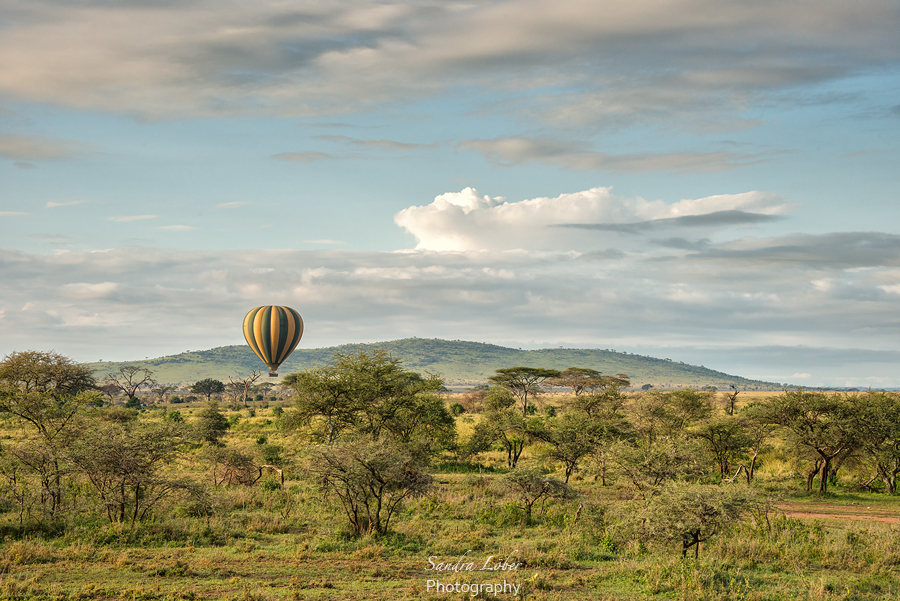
[268, 544]
[795, 559]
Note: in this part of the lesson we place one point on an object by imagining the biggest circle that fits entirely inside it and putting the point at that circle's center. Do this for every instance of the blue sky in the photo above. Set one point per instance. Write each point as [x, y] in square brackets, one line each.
[714, 182]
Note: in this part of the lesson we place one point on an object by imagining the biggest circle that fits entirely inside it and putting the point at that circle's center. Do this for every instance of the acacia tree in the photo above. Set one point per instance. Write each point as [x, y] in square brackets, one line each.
[423, 425]
[877, 420]
[605, 401]
[658, 415]
[130, 379]
[689, 514]
[726, 439]
[731, 397]
[571, 437]
[162, 391]
[244, 384]
[47, 391]
[523, 381]
[371, 394]
[327, 394]
[501, 424]
[825, 424]
[44, 389]
[757, 430]
[578, 379]
[233, 393]
[121, 460]
[208, 387]
[370, 479]
[531, 486]
[649, 467]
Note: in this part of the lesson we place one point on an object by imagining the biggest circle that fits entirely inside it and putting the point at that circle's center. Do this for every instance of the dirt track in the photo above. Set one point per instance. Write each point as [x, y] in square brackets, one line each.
[852, 512]
[842, 516]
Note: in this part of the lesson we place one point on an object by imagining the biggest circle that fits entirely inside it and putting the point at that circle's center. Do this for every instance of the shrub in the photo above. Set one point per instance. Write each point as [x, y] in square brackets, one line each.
[371, 479]
[211, 424]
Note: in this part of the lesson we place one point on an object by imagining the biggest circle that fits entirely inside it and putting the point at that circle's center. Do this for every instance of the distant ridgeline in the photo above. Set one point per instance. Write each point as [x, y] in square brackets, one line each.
[460, 363]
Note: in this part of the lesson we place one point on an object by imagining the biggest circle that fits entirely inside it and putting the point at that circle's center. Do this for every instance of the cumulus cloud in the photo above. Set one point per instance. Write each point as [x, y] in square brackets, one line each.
[586, 220]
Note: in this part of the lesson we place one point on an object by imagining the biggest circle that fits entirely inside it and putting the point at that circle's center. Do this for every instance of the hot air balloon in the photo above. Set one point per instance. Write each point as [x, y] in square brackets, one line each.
[272, 332]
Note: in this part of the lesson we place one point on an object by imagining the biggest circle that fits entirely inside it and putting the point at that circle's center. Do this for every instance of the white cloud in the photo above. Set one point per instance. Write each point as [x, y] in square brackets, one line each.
[12, 213]
[178, 228]
[68, 203]
[130, 218]
[588, 220]
[232, 205]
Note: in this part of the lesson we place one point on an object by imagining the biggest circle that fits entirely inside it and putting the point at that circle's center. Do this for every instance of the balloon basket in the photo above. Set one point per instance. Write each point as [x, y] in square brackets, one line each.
[272, 374]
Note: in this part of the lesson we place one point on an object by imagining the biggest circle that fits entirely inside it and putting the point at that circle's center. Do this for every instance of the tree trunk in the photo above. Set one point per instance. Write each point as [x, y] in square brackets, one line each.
[823, 476]
[752, 470]
[693, 542]
[811, 476]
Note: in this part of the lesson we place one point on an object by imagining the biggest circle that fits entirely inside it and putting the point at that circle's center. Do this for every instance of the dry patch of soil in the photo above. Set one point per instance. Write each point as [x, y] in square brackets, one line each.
[842, 512]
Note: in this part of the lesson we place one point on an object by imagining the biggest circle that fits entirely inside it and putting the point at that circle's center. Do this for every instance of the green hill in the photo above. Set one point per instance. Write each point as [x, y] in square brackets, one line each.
[460, 363]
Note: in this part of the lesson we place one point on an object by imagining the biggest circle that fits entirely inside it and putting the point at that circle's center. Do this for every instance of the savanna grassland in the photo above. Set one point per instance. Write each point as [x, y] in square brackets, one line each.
[206, 514]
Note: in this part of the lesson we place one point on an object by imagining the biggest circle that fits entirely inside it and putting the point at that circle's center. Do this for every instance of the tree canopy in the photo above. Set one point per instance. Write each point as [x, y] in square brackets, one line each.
[208, 387]
[523, 381]
[370, 394]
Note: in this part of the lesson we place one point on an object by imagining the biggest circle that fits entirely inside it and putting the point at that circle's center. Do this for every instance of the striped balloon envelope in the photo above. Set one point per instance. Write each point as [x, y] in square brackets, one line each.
[273, 332]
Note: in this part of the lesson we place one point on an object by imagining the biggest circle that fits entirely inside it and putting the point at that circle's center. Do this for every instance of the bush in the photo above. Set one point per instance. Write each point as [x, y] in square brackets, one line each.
[271, 454]
[175, 417]
[456, 410]
[370, 478]
[211, 424]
